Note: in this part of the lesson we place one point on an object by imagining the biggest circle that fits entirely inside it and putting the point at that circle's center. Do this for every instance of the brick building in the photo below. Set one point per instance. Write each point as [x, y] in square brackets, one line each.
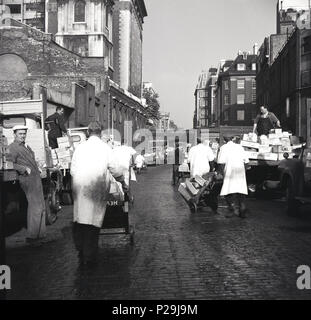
[82, 51]
[236, 90]
[291, 13]
[31, 12]
[29, 56]
[204, 115]
[284, 69]
[200, 95]
[85, 27]
[284, 84]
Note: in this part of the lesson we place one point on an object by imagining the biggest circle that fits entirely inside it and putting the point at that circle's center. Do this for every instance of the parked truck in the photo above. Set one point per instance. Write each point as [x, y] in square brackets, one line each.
[32, 114]
[280, 166]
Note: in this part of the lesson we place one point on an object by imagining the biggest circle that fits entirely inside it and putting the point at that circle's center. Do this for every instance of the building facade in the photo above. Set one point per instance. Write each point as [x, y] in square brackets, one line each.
[128, 19]
[236, 91]
[284, 69]
[205, 103]
[29, 56]
[290, 16]
[30, 12]
[284, 84]
[201, 94]
[85, 27]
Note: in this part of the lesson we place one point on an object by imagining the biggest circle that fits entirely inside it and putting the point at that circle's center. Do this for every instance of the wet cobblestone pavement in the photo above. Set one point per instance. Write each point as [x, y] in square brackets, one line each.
[176, 254]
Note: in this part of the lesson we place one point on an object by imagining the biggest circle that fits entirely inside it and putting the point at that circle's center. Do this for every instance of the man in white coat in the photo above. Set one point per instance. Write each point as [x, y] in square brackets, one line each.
[200, 157]
[92, 163]
[234, 188]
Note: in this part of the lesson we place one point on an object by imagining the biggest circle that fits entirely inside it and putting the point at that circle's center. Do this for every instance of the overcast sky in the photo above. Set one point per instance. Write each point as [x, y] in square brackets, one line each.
[182, 38]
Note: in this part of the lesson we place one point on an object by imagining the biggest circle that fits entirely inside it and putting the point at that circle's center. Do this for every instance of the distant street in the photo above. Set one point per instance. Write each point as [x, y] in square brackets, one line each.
[176, 254]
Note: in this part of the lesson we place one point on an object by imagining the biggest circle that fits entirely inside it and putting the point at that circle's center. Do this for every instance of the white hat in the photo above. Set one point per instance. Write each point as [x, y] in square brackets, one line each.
[19, 127]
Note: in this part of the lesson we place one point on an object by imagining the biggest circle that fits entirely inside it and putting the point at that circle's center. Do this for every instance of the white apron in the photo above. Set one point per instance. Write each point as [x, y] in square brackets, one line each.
[91, 181]
[199, 158]
[234, 157]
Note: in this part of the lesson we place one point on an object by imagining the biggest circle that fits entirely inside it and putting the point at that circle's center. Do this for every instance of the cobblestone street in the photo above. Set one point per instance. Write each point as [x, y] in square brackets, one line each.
[176, 254]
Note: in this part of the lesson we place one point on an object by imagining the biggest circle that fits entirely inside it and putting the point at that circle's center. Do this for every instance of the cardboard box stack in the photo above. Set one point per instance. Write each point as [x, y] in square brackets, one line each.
[191, 187]
[63, 154]
[271, 147]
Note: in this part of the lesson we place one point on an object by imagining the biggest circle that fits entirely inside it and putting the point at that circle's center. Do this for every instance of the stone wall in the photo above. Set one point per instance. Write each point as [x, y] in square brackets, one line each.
[41, 60]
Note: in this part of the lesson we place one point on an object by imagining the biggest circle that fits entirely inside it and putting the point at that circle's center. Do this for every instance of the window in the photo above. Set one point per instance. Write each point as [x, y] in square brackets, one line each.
[240, 115]
[241, 67]
[254, 66]
[226, 100]
[226, 85]
[51, 7]
[79, 11]
[202, 102]
[254, 83]
[107, 17]
[254, 96]
[111, 56]
[203, 93]
[287, 107]
[240, 99]
[15, 8]
[226, 116]
[9, 123]
[120, 116]
[241, 84]
[75, 138]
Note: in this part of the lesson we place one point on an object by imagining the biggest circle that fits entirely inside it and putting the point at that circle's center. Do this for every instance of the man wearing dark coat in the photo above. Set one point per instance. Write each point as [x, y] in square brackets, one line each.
[30, 181]
[56, 126]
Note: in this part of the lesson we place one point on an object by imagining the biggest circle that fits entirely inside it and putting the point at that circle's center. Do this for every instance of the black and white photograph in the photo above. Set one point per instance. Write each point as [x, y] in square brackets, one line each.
[155, 154]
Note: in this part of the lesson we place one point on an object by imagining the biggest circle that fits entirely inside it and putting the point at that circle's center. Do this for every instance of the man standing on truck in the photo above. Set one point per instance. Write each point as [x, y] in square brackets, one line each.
[55, 123]
[265, 121]
[91, 169]
[30, 181]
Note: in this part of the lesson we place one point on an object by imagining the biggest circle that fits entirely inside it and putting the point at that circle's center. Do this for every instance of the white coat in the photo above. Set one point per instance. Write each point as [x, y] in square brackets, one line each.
[123, 158]
[199, 158]
[91, 163]
[139, 161]
[234, 157]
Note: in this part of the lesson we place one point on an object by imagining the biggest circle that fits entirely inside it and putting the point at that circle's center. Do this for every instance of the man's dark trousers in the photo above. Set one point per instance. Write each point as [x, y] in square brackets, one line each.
[86, 241]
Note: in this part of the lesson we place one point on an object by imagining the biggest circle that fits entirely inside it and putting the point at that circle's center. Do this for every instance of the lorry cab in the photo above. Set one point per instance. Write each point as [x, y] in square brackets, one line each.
[30, 113]
[295, 180]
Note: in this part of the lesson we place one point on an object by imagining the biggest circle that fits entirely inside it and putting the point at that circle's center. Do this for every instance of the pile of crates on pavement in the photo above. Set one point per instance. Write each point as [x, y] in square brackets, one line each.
[271, 147]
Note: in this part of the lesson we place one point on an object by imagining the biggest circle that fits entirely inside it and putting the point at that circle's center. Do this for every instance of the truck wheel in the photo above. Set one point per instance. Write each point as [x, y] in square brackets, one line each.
[52, 205]
[292, 204]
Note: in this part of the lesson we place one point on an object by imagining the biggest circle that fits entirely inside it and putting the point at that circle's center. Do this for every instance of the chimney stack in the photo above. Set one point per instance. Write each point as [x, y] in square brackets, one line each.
[222, 62]
[255, 49]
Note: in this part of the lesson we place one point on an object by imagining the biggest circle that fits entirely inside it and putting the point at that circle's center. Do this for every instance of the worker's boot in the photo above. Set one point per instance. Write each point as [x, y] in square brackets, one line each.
[242, 211]
[230, 214]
